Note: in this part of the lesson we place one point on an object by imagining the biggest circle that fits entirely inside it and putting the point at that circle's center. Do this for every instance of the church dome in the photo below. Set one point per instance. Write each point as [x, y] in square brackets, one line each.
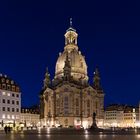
[77, 61]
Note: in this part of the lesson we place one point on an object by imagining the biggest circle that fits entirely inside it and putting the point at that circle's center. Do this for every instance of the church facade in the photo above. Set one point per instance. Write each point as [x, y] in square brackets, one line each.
[69, 100]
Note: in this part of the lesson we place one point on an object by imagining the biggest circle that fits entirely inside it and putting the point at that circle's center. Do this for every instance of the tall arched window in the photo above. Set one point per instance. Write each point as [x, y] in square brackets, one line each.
[66, 105]
[77, 106]
[96, 104]
[77, 102]
[88, 107]
[57, 102]
[73, 41]
[88, 103]
[58, 106]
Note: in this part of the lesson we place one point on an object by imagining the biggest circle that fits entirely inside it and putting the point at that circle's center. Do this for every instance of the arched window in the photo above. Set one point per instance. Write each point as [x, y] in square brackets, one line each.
[57, 102]
[77, 102]
[88, 103]
[73, 41]
[66, 105]
[3, 86]
[66, 99]
[57, 106]
[96, 104]
[88, 107]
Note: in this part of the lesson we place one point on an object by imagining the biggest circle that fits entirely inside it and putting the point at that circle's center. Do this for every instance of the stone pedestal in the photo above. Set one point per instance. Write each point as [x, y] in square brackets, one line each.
[94, 125]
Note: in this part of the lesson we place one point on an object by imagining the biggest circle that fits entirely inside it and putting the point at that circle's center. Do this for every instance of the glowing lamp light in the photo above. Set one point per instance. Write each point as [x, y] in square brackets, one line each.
[3, 116]
[48, 130]
[85, 124]
[86, 134]
[137, 124]
[8, 116]
[13, 117]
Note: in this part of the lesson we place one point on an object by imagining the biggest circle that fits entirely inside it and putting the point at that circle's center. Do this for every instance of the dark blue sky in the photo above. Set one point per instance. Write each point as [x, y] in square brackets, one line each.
[32, 35]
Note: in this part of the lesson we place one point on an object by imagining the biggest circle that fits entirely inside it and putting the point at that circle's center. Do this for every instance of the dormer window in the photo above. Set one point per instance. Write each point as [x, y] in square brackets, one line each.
[7, 81]
[8, 87]
[13, 88]
[2, 80]
[3, 86]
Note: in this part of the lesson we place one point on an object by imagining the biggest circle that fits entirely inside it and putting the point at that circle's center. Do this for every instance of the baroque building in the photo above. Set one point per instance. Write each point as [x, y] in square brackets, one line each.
[30, 117]
[10, 102]
[117, 115]
[69, 99]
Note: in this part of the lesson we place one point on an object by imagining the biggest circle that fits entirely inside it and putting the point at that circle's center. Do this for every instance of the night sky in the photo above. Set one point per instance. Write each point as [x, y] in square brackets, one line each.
[32, 35]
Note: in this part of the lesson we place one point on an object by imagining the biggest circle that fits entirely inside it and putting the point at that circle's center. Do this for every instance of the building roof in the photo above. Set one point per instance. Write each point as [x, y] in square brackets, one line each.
[6, 83]
[118, 107]
[32, 109]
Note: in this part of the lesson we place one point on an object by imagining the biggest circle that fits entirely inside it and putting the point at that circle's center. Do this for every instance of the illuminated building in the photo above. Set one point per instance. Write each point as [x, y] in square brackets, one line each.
[30, 117]
[68, 99]
[10, 102]
[121, 116]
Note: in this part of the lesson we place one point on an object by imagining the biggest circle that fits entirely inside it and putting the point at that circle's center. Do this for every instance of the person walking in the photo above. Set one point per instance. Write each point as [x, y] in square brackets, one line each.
[6, 129]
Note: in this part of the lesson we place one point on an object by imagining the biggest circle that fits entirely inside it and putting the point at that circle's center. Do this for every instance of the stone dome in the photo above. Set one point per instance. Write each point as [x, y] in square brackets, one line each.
[77, 61]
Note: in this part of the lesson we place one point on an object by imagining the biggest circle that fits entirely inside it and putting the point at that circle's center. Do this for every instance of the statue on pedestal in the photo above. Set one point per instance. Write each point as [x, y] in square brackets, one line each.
[94, 125]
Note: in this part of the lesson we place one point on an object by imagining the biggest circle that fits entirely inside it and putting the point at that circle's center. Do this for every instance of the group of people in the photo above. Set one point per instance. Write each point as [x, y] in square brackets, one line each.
[7, 129]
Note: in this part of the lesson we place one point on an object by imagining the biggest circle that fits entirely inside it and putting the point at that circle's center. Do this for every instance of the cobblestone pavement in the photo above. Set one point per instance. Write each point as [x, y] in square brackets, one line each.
[37, 135]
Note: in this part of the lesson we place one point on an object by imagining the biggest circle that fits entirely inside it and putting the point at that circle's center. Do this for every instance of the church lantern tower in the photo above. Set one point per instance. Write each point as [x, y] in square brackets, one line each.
[77, 60]
[71, 38]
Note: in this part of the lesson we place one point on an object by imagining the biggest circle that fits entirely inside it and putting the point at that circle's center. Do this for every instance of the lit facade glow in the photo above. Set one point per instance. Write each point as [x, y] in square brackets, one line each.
[13, 117]
[10, 103]
[121, 116]
[3, 116]
[30, 117]
[69, 100]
